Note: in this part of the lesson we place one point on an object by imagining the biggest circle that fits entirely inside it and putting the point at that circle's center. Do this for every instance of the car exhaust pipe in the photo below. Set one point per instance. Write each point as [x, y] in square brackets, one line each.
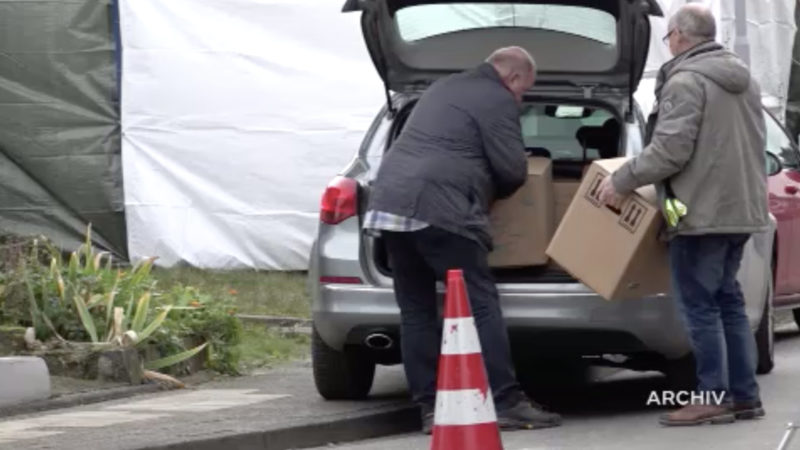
[378, 341]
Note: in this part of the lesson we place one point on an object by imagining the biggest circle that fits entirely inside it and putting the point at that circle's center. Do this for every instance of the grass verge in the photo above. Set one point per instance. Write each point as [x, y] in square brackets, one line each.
[258, 293]
[263, 293]
[267, 347]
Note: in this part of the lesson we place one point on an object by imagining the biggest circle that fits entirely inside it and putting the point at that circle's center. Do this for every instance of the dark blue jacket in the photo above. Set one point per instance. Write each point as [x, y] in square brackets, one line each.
[460, 149]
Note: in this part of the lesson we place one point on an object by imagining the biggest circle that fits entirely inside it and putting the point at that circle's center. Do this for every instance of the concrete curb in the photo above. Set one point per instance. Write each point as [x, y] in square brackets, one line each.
[278, 321]
[380, 422]
[78, 399]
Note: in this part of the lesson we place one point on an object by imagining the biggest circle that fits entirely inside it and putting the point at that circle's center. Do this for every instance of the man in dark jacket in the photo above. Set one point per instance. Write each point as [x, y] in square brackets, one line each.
[460, 149]
[706, 145]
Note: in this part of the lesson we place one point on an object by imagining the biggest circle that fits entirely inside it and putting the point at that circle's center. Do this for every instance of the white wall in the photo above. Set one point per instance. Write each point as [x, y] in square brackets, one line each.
[770, 32]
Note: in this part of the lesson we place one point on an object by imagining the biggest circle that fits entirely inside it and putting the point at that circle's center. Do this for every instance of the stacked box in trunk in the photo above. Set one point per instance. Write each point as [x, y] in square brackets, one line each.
[522, 224]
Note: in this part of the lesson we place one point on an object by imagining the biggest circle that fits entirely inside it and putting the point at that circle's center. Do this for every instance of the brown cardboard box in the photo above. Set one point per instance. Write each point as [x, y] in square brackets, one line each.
[616, 253]
[522, 225]
[563, 193]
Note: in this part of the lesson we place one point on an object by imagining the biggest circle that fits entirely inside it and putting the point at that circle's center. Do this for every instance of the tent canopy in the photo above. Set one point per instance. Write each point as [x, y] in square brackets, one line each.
[60, 165]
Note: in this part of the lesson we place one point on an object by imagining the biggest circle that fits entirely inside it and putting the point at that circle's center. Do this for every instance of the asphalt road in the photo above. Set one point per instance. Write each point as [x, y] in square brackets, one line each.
[612, 413]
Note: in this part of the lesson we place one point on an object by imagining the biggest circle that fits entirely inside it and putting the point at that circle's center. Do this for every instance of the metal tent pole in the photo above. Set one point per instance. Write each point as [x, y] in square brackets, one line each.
[787, 437]
[741, 45]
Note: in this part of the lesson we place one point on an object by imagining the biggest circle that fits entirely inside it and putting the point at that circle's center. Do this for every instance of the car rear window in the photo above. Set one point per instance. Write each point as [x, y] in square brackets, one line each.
[570, 133]
[424, 21]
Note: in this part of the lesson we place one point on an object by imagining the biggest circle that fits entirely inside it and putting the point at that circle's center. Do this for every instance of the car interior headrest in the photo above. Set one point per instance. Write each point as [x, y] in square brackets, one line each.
[538, 151]
[604, 138]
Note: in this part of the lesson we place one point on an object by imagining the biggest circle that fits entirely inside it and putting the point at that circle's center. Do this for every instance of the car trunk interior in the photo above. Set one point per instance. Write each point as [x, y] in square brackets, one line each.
[571, 136]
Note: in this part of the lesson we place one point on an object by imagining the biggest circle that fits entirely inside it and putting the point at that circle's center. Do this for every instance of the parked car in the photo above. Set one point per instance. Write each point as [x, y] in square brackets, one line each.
[784, 204]
[590, 58]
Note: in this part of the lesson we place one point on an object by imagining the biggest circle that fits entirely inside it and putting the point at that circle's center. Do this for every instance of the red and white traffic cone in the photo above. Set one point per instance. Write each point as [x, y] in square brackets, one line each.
[464, 418]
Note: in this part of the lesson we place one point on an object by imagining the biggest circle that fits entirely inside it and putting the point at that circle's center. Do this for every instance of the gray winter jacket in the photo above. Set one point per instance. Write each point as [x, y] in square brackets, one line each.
[708, 143]
[460, 149]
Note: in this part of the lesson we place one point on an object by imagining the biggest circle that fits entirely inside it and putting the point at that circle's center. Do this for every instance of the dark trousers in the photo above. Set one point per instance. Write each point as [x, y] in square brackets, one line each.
[710, 298]
[418, 260]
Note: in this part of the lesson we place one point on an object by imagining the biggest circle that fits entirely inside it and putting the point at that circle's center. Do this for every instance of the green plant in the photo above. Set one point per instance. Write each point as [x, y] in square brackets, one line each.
[174, 359]
[207, 318]
[86, 299]
[175, 318]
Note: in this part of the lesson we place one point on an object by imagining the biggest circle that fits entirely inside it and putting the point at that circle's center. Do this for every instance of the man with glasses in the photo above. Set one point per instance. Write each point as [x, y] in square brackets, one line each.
[705, 150]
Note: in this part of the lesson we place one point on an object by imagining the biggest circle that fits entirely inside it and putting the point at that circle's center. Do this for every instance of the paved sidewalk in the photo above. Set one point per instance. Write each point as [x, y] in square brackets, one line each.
[280, 408]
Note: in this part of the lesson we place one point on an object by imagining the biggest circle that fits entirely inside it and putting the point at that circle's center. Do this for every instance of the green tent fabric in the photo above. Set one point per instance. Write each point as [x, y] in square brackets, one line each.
[60, 159]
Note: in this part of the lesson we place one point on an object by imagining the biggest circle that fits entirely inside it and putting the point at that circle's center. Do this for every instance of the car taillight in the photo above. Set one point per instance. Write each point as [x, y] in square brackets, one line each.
[340, 201]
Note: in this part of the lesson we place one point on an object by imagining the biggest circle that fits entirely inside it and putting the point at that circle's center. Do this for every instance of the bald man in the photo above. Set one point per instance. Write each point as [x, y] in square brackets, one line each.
[705, 148]
[460, 149]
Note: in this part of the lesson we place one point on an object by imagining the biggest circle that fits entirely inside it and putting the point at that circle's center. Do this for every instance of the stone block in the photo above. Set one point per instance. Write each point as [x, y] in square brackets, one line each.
[120, 364]
[23, 379]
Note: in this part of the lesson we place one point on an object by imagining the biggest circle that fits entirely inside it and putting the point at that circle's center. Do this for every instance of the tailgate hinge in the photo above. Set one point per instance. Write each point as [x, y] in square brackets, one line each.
[389, 106]
[588, 90]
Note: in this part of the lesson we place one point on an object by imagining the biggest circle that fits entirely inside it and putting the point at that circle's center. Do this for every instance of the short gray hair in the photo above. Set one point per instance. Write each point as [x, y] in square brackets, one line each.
[513, 58]
[695, 22]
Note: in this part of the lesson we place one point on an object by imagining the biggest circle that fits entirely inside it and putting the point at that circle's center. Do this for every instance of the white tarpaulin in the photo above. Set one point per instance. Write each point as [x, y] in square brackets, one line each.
[236, 113]
[770, 35]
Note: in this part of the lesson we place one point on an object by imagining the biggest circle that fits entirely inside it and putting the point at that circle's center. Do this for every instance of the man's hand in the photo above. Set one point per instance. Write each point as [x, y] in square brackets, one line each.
[609, 194]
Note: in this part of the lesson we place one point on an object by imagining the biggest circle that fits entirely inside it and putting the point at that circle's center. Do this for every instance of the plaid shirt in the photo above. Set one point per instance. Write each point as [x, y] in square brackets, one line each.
[374, 221]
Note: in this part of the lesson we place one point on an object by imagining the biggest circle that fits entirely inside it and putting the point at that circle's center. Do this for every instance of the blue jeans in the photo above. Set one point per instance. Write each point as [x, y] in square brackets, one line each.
[704, 270]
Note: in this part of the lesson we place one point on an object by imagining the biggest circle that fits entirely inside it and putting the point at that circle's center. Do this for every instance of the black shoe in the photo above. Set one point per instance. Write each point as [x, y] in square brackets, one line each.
[427, 423]
[748, 411]
[426, 413]
[524, 416]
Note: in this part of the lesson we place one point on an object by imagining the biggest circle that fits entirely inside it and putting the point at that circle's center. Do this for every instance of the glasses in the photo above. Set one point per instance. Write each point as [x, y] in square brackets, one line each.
[666, 38]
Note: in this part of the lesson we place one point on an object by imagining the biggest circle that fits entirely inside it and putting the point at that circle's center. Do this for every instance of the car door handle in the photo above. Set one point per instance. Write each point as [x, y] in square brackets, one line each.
[792, 190]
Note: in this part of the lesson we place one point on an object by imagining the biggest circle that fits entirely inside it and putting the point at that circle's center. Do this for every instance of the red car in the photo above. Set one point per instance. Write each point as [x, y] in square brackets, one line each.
[784, 204]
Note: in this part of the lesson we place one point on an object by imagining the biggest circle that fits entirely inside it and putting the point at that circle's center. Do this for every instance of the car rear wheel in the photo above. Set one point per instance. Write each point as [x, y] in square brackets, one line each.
[765, 337]
[796, 313]
[345, 375]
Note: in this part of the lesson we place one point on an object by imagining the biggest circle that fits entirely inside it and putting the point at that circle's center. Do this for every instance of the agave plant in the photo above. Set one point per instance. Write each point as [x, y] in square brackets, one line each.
[113, 307]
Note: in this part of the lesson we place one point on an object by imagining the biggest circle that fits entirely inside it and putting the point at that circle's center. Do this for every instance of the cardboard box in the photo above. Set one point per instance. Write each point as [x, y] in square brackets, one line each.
[563, 193]
[616, 253]
[522, 225]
